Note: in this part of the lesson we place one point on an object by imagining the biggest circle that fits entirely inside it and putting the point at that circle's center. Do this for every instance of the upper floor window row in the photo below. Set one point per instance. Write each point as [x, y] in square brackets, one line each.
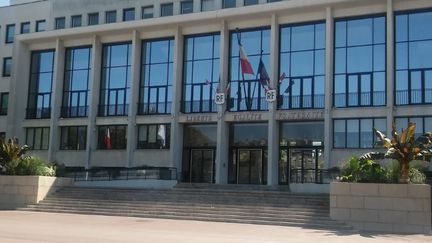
[413, 80]
[360, 62]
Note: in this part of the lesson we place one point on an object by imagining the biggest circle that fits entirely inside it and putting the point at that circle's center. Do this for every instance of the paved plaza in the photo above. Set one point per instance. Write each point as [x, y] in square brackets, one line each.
[32, 227]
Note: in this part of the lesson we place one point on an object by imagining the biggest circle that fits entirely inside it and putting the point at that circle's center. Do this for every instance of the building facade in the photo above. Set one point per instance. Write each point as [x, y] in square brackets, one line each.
[132, 83]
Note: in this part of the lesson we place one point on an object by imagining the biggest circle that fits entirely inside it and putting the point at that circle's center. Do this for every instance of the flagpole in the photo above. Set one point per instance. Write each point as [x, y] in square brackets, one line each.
[243, 79]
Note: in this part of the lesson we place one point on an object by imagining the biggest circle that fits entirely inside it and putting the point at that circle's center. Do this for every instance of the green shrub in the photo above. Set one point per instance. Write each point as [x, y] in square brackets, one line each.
[366, 171]
[416, 176]
[34, 166]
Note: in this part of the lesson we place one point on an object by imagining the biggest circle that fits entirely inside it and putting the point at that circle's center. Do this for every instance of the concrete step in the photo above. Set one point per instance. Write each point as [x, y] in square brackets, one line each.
[290, 208]
[213, 218]
[194, 212]
[211, 204]
[273, 213]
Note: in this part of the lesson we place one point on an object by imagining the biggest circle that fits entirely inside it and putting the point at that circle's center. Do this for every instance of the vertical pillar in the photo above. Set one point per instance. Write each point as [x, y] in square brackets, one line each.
[273, 125]
[390, 65]
[18, 87]
[328, 121]
[56, 99]
[177, 128]
[133, 99]
[222, 143]
[94, 87]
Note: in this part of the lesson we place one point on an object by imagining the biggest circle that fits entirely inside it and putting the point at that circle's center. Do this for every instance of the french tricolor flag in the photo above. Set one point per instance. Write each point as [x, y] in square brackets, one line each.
[244, 61]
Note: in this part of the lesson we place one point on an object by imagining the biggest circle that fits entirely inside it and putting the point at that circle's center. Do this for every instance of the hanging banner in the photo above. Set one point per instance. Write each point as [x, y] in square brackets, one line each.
[271, 95]
[220, 98]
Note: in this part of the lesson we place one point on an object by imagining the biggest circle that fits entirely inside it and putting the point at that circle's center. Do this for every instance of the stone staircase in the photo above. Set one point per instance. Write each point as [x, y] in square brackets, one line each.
[230, 204]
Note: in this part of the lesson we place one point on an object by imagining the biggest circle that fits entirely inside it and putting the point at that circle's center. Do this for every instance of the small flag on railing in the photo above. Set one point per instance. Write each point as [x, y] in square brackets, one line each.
[228, 89]
[282, 77]
[263, 75]
[161, 134]
[107, 139]
[246, 66]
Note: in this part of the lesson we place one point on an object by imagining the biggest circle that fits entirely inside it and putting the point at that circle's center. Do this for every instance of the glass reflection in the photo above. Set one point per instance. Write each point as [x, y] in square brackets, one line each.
[200, 73]
[156, 76]
[360, 62]
[302, 64]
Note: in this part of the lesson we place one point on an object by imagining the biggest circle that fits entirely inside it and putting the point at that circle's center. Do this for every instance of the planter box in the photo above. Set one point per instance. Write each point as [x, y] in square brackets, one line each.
[399, 208]
[19, 191]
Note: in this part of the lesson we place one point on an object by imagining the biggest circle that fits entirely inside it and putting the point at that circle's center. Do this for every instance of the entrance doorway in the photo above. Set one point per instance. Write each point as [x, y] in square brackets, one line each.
[300, 165]
[201, 166]
[249, 166]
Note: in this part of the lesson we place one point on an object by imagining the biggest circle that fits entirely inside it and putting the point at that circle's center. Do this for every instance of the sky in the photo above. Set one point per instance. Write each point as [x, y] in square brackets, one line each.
[4, 2]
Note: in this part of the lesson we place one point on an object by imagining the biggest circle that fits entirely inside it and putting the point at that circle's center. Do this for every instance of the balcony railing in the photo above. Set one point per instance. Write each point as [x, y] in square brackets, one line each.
[199, 106]
[248, 104]
[301, 102]
[377, 98]
[76, 111]
[154, 108]
[413, 96]
[113, 110]
[38, 113]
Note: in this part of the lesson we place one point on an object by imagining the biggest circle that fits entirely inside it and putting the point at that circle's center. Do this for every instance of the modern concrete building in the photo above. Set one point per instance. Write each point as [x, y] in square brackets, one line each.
[106, 83]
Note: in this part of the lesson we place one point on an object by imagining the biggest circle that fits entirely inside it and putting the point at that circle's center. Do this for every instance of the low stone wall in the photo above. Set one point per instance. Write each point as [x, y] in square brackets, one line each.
[398, 208]
[19, 191]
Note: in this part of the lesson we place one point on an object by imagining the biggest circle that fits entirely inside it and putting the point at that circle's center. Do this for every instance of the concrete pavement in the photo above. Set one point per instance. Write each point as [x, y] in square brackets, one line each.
[30, 227]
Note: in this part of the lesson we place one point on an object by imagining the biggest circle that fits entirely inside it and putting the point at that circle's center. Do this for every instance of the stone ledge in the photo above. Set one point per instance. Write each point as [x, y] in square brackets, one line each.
[382, 207]
[19, 191]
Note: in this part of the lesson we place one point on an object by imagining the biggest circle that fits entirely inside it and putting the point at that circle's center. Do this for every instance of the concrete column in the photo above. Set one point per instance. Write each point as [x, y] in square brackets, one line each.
[273, 125]
[328, 121]
[133, 99]
[176, 142]
[17, 90]
[94, 87]
[390, 65]
[222, 145]
[56, 99]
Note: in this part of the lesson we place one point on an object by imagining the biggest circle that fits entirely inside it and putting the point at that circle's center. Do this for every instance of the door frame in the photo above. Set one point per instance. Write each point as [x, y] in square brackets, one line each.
[189, 162]
[237, 150]
[288, 151]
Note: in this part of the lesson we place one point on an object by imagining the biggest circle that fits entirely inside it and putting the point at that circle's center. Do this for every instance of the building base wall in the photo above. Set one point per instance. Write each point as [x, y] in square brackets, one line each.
[398, 208]
[19, 191]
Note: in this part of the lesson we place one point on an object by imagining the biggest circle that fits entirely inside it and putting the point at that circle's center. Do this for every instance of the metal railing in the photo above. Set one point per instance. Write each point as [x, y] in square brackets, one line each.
[304, 101]
[376, 98]
[320, 176]
[74, 111]
[413, 96]
[38, 113]
[154, 108]
[114, 174]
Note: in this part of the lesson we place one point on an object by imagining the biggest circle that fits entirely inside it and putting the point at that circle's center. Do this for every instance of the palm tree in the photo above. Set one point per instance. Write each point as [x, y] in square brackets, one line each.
[404, 148]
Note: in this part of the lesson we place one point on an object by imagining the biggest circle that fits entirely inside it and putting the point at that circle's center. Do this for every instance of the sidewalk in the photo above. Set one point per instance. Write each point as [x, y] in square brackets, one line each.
[32, 227]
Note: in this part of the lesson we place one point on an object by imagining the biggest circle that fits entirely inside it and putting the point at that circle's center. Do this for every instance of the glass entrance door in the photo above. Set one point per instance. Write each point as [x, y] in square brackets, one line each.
[201, 166]
[304, 164]
[251, 167]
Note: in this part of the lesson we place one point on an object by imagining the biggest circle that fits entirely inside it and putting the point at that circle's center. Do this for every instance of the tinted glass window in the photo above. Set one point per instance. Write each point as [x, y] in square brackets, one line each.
[93, 19]
[112, 137]
[111, 17]
[116, 78]
[10, 33]
[73, 138]
[76, 21]
[207, 5]
[147, 12]
[186, 7]
[40, 25]
[60, 23]
[228, 3]
[201, 73]
[166, 9]
[25, 28]
[241, 134]
[302, 66]
[157, 76]
[38, 138]
[128, 14]
[154, 136]
[360, 58]
[357, 133]
[7, 66]
[250, 2]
